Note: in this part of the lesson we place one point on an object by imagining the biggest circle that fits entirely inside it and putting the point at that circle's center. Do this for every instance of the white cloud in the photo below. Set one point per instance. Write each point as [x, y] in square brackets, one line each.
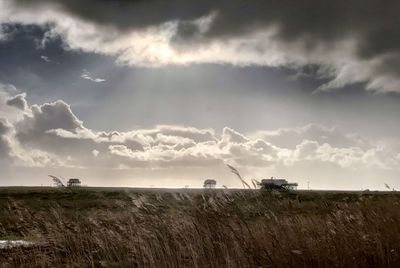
[88, 76]
[51, 135]
[53, 128]
[46, 59]
[95, 153]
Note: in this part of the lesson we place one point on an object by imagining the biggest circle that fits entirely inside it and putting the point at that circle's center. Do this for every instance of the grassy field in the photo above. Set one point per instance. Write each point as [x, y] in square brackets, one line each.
[117, 227]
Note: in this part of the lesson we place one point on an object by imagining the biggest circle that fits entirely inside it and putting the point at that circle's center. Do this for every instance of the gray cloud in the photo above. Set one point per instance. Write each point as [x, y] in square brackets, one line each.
[352, 42]
[51, 116]
[3, 36]
[313, 20]
[7, 111]
[54, 128]
[18, 101]
[132, 13]
[197, 135]
[5, 147]
[290, 137]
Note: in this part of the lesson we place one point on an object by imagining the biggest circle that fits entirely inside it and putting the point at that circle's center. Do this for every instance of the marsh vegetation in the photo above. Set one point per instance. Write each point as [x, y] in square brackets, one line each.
[199, 228]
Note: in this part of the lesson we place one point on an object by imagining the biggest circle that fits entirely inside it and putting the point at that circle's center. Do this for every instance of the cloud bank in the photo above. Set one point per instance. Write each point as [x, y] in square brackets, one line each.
[50, 135]
[349, 42]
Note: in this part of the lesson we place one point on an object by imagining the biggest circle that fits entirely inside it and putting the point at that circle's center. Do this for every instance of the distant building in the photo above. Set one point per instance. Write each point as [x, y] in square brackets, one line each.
[74, 182]
[210, 184]
[277, 184]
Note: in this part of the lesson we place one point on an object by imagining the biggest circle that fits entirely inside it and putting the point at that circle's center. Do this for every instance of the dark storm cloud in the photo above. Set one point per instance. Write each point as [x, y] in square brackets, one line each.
[374, 23]
[128, 14]
[310, 23]
[351, 41]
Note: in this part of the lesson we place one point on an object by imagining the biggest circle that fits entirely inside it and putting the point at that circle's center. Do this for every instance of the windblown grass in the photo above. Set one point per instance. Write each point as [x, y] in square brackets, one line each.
[217, 228]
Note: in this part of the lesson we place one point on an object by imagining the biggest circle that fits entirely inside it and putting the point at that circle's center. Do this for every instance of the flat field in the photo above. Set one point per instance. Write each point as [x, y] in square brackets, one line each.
[130, 227]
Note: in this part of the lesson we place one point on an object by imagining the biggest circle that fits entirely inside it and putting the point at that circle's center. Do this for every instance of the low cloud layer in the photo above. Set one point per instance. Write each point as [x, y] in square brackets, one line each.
[350, 42]
[50, 135]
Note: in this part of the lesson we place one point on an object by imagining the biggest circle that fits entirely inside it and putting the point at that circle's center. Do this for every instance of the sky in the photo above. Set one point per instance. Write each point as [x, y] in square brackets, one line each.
[167, 93]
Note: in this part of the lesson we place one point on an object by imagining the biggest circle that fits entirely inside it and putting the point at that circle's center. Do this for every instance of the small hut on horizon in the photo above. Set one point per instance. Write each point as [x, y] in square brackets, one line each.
[74, 182]
[277, 184]
[210, 184]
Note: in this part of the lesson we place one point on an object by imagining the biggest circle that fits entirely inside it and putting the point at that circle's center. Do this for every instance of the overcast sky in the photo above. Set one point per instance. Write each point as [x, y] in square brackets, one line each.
[166, 93]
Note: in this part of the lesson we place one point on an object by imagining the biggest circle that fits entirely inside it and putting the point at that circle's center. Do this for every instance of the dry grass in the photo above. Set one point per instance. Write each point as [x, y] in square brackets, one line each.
[200, 229]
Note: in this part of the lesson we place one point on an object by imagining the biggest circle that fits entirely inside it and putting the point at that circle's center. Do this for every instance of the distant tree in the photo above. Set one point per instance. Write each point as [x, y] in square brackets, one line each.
[209, 184]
